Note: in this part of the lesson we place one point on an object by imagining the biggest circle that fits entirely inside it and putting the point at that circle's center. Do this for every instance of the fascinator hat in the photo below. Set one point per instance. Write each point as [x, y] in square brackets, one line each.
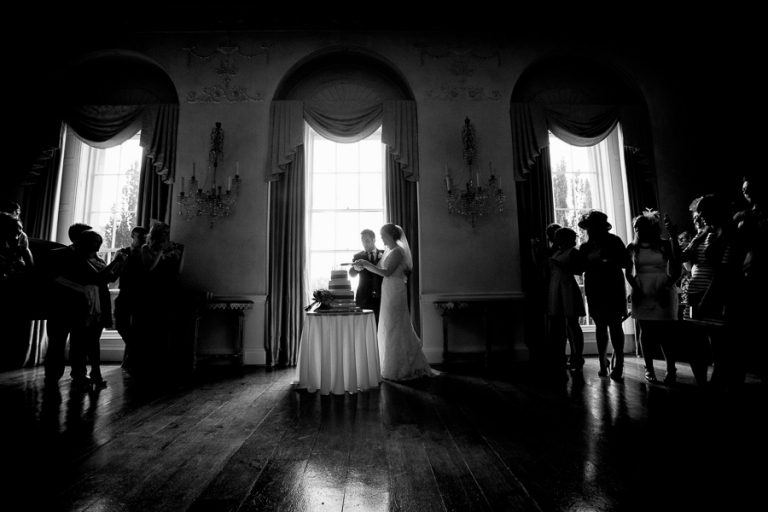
[594, 219]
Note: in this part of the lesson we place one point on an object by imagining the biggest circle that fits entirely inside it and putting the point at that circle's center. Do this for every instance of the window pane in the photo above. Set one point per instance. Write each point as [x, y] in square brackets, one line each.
[347, 232]
[100, 221]
[323, 191]
[323, 235]
[371, 194]
[348, 158]
[371, 156]
[105, 192]
[324, 156]
[575, 190]
[347, 192]
[320, 265]
[372, 221]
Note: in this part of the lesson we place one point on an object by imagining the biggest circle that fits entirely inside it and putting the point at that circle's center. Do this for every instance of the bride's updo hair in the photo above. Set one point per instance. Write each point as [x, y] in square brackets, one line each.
[392, 231]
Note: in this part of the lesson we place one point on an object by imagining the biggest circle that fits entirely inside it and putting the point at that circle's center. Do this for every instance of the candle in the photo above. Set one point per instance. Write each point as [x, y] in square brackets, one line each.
[229, 184]
[193, 169]
[477, 175]
[448, 183]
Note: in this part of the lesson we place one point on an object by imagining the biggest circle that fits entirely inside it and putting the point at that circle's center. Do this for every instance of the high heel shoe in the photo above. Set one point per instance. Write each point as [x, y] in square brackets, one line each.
[650, 376]
[617, 372]
[670, 378]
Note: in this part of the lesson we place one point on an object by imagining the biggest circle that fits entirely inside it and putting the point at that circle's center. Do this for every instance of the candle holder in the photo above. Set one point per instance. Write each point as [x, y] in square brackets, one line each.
[475, 200]
[212, 203]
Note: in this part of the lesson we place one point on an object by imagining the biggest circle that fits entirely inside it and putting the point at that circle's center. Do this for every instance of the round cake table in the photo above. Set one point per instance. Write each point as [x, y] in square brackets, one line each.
[338, 353]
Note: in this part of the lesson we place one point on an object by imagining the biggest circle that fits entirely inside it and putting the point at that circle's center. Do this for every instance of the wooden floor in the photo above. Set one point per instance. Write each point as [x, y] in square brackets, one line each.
[462, 440]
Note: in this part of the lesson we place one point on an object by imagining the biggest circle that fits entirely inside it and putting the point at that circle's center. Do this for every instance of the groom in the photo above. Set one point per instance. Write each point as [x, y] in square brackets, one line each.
[368, 294]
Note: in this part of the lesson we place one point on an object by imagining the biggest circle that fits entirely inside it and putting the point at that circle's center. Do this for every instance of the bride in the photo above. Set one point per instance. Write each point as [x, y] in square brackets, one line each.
[399, 345]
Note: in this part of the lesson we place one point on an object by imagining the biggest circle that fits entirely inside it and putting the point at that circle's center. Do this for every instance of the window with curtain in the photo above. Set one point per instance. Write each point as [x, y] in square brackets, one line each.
[107, 193]
[346, 184]
[586, 178]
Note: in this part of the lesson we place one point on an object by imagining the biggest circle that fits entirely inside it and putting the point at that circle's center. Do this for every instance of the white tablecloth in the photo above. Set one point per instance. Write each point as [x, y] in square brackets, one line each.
[338, 353]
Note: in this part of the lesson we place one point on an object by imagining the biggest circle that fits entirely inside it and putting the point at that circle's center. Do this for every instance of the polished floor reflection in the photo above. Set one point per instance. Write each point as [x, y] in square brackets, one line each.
[463, 440]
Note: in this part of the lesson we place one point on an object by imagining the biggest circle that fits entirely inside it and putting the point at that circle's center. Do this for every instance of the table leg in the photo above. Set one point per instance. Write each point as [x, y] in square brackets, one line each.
[445, 336]
[198, 316]
[240, 335]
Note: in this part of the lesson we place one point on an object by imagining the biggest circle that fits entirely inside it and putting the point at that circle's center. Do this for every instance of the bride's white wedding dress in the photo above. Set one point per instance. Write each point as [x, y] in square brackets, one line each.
[399, 345]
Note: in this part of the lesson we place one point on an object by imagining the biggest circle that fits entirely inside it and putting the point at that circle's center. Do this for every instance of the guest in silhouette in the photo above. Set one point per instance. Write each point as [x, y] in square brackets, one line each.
[606, 258]
[713, 275]
[541, 254]
[746, 307]
[654, 297]
[368, 294]
[129, 296]
[158, 301]
[85, 344]
[16, 265]
[565, 303]
[15, 258]
[74, 293]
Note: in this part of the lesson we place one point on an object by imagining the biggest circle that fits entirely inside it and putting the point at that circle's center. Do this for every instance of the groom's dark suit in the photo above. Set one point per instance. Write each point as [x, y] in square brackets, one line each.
[368, 295]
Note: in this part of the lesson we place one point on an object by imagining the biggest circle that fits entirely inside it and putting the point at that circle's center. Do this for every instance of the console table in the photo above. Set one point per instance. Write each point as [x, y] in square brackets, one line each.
[338, 353]
[481, 306]
[236, 308]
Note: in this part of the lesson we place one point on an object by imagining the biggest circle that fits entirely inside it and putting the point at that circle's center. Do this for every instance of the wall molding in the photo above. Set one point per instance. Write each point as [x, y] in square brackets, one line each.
[227, 70]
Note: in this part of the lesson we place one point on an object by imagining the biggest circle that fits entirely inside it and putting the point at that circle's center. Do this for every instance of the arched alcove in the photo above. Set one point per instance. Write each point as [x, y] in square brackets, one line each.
[345, 94]
[357, 68]
[574, 80]
[116, 77]
[581, 101]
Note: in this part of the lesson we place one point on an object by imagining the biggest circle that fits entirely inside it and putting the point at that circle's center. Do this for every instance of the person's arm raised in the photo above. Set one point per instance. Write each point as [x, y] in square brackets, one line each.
[393, 261]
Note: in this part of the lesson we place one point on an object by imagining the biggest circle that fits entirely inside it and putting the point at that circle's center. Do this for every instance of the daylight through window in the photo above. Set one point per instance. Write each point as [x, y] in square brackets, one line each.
[585, 178]
[346, 184]
[108, 192]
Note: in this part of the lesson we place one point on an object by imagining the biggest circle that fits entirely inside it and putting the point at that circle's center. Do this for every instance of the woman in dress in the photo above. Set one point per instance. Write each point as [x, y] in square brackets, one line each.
[605, 257]
[399, 345]
[565, 304]
[654, 297]
[712, 277]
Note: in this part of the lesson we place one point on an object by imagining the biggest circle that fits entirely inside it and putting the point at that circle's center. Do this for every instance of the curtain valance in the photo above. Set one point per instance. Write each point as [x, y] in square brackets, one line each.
[104, 126]
[344, 122]
[578, 125]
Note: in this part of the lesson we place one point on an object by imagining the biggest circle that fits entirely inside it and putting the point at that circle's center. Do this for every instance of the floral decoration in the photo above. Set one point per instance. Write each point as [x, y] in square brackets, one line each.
[322, 297]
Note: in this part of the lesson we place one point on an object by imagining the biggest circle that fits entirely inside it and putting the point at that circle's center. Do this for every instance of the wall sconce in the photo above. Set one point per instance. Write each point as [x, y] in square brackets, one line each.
[211, 203]
[476, 199]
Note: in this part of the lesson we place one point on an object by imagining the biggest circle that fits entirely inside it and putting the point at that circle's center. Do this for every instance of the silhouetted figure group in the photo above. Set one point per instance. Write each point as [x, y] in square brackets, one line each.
[72, 292]
[716, 280]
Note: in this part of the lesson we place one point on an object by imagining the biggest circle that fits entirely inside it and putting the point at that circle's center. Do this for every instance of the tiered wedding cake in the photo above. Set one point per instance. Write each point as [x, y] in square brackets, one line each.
[341, 289]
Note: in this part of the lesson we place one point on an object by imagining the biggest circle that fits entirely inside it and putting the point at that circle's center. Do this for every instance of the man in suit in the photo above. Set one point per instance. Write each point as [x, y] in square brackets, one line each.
[368, 295]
